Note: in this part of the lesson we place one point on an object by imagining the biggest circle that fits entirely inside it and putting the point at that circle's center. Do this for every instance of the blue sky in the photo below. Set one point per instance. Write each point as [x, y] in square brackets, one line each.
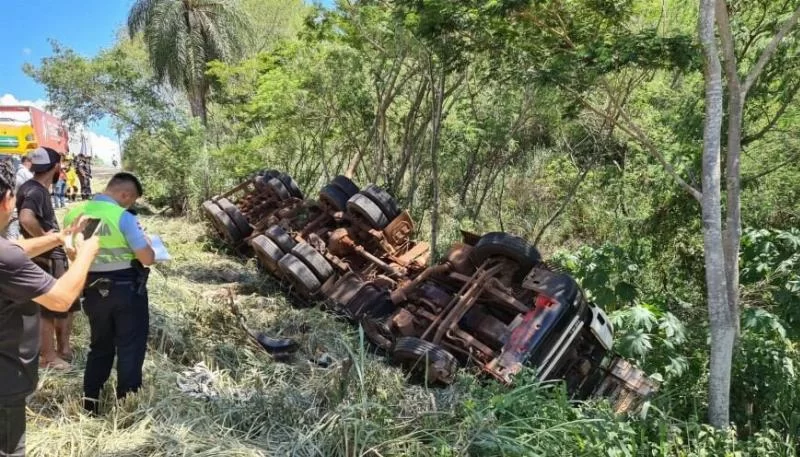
[24, 38]
[83, 25]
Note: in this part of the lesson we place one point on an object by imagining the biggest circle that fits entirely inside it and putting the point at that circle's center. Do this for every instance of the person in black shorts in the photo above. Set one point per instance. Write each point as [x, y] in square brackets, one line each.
[37, 218]
[24, 287]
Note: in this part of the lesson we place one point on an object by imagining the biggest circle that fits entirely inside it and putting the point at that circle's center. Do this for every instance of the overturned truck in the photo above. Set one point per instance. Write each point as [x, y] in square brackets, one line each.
[491, 304]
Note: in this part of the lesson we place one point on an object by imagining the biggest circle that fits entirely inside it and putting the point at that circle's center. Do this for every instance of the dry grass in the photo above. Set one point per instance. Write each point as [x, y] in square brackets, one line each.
[294, 408]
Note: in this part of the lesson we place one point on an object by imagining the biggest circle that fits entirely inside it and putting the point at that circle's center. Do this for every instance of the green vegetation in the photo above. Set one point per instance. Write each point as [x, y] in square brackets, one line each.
[586, 126]
[358, 405]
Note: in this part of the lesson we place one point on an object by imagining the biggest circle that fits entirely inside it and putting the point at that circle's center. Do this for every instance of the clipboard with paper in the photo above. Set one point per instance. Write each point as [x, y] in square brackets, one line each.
[162, 255]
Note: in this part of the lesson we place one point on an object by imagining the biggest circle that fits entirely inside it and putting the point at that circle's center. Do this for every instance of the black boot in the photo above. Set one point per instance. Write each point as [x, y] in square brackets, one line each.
[92, 406]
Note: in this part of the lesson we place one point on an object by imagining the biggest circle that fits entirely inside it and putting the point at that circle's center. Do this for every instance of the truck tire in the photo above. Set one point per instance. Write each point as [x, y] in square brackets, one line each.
[314, 260]
[334, 196]
[207, 211]
[385, 202]
[509, 246]
[299, 274]
[361, 205]
[268, 173]
[437, 364]
[278, 188]
[236, 216]
[225, 226]
[291, 185]
[278, 235]
[267, 252]
[346, 185]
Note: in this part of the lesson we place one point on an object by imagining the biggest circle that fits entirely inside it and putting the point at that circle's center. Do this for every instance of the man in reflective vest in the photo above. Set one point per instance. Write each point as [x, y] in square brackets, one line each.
[115, 297]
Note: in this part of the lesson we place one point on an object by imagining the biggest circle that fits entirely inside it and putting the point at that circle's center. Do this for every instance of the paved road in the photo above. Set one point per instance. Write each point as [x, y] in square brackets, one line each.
[103, 173]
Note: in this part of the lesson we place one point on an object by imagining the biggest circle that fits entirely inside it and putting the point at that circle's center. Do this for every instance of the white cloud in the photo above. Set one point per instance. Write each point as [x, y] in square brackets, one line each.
[26, 51]
[101, 146]
[8, 99]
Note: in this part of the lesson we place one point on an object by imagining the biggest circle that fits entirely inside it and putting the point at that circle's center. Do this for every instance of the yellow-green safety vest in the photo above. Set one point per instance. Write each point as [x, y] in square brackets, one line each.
[115, 254]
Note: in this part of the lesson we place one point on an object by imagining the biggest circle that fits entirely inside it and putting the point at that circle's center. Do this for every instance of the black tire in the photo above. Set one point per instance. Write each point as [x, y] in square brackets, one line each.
[509, 246]
[267, 252]
[207, 208]
[291, 185]
[278, 235]
[334, 196]
[346, 185]
[361, 205]
[299, 273]
[423, 356]
[385, 202]
[269, 173]
[236, 216]
[224, 225]
[278, 188]
[314, 260]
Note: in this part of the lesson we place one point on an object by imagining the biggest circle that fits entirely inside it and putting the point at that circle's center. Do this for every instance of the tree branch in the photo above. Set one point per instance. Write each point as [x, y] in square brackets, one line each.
[636, 133]
[774, 120]
[792, 158]
[769, 51]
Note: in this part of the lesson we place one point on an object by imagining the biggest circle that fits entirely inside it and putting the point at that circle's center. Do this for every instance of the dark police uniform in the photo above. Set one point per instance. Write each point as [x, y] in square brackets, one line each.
[115, 301]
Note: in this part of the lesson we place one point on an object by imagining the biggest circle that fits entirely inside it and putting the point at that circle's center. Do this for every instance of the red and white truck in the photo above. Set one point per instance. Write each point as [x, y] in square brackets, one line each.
[24, 128]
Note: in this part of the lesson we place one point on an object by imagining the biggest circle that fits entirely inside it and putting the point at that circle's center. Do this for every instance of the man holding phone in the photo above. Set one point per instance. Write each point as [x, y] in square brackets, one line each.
[24, 287]
[115, 298]
[36, 218]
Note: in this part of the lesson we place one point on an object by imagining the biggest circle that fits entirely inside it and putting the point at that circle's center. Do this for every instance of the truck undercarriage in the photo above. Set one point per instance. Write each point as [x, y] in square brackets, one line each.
[491, 304]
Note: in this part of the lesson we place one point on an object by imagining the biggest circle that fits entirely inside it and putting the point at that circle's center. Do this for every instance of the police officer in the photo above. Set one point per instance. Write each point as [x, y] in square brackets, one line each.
[115, 297]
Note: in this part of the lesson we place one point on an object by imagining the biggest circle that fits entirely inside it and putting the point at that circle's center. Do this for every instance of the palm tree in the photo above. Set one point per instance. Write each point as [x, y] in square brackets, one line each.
[183, 36]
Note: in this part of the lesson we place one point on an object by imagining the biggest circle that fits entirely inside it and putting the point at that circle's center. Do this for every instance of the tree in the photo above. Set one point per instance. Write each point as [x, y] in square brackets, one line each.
[183, 36]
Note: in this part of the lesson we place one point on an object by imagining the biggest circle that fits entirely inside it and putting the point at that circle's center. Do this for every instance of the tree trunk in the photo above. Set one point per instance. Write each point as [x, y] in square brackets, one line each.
[720, 321]
[437, 89]
[197, 102]
[733, 221]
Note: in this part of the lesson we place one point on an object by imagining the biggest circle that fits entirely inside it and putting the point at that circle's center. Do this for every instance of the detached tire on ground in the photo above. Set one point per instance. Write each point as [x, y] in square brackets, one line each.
[437, 364]
[314, 260]
[385, 202]
[334, 197]
[509, 246]
[346, 185]
[267, 252]
[299, 274]
[236, 216]
[361, 205]
[278, 235]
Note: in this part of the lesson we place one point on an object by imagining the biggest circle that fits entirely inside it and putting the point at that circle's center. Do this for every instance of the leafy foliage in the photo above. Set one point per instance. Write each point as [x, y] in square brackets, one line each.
[502, 115]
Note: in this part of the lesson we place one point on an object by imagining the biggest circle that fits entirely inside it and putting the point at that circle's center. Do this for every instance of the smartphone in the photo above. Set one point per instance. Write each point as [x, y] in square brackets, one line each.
[91, 227]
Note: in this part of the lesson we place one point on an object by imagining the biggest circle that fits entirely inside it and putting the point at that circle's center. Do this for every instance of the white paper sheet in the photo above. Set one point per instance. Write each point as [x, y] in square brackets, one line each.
[162, 255]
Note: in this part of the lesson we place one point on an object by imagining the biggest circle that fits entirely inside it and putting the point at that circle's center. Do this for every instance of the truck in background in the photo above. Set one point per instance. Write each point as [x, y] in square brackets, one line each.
[24, 128]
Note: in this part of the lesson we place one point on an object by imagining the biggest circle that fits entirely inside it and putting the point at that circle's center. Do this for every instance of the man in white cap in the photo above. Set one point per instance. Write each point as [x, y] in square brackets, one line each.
[37, 218]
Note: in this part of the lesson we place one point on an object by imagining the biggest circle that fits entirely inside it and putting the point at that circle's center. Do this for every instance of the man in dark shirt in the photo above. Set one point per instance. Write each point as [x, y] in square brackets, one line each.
[23, 288]
[37, 217]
